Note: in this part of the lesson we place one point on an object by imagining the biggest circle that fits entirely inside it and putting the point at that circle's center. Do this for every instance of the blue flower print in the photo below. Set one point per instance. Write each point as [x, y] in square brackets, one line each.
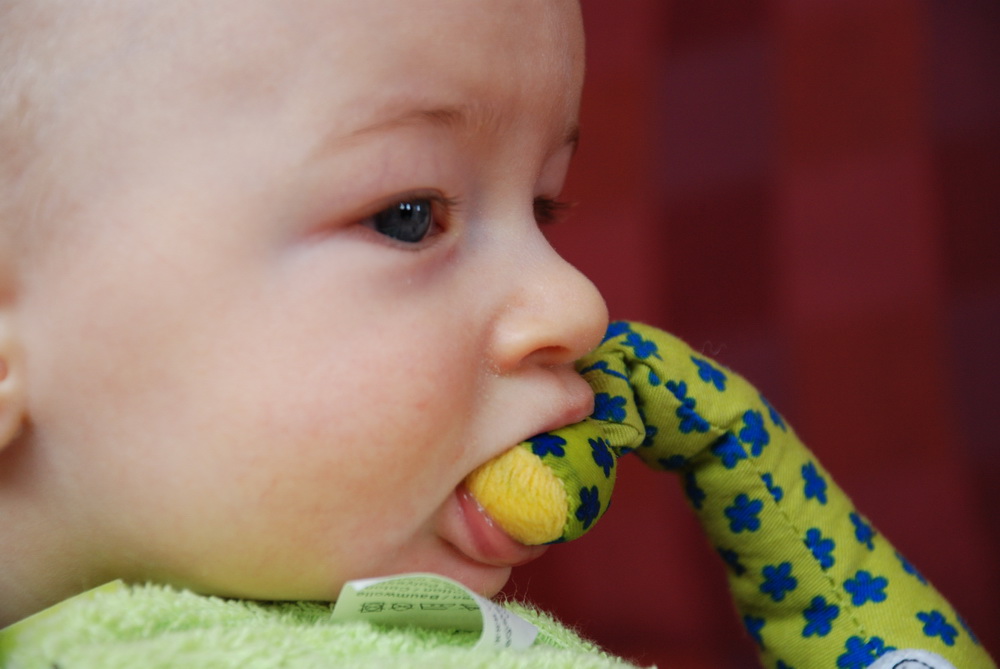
[753, 432]
[590, 506]
[865, 588]
[602, 455]
[695, 494]
[822, 548]
[615, 329]
[653, 379]
[819, 617]
[778, 581]
[860, 654]
[643, 348]
[547, 444]
[743, 514]
[909, 568]
[776, 492]
[679, 389]
[651, 432]
[782, 665]
[732, 558]
[863, 532]
[728, 449]
[773, 413]
[815, 483]
[609, 407]
[710, 374]
[935, 624]
[602, 366]
[690, 420]
[754, 627]
[673, 463]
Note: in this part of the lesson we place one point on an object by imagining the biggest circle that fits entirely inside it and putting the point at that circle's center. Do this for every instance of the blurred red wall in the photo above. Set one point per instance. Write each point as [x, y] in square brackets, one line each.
[809, 191]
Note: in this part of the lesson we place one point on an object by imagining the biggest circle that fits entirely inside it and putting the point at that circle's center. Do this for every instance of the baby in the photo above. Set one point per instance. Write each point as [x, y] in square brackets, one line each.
[273, 284]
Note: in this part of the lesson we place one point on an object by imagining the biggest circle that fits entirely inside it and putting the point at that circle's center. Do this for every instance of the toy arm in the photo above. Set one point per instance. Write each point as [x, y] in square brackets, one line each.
[816, 585]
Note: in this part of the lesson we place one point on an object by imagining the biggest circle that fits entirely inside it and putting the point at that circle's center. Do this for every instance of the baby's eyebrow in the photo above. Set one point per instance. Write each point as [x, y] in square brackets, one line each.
[452, 117]
[449, 117]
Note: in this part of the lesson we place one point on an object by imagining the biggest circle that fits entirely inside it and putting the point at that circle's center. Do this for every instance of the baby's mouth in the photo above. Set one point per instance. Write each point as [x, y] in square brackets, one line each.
[485, 541]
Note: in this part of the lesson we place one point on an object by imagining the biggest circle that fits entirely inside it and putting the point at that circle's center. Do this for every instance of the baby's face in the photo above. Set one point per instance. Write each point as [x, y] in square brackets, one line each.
[295, 291]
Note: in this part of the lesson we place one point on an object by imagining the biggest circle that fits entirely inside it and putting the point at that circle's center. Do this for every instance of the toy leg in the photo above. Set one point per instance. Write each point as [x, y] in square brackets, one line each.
[816, 584]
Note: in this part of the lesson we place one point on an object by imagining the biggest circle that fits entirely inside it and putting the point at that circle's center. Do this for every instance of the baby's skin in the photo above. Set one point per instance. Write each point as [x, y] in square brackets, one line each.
[273, 281]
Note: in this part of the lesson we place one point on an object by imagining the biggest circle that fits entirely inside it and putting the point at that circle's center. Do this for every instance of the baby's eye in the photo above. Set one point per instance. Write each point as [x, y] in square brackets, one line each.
[407, 221]
[549, 210]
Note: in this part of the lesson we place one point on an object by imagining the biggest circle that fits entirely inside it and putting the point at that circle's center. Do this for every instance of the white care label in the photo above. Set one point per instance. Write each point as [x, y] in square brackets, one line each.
[912, 659]
[428, 600]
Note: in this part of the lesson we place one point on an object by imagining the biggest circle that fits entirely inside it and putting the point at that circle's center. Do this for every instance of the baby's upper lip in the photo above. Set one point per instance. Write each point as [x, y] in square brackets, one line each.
[577, 406]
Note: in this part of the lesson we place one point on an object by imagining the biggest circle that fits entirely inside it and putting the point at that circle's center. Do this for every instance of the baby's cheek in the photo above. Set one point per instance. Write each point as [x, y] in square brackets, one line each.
[389, 434]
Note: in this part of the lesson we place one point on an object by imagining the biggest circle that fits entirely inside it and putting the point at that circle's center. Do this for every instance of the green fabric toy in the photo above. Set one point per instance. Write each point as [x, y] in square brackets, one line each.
[817, 586]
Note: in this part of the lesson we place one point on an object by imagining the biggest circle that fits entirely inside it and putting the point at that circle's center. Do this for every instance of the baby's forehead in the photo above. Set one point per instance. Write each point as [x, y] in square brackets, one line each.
[170, 53]
[87, 65]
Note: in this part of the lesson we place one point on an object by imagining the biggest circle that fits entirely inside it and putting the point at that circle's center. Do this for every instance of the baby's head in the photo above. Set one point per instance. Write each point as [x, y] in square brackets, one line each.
[272, 284]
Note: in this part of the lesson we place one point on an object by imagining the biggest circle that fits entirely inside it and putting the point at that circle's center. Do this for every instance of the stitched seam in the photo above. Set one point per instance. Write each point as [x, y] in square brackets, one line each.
[838, 596]
[845, 604]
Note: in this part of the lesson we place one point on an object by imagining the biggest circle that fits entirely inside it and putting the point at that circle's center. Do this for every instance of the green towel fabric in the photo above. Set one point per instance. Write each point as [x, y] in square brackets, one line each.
[154, 627]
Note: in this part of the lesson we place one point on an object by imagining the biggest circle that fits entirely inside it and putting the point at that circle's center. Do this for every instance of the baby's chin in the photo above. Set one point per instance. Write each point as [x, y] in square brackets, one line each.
[483, 582]
[461, 543]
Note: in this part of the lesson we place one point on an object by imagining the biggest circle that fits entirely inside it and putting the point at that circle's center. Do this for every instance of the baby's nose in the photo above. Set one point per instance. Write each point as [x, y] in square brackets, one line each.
[554, 314]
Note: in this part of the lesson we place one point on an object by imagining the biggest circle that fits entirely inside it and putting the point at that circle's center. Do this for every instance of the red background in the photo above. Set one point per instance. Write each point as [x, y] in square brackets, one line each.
[809, 191]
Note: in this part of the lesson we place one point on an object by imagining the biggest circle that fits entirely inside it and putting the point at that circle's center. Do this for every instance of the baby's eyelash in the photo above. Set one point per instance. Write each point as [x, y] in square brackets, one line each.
[447, 206]
[549, 210]
[413, 219]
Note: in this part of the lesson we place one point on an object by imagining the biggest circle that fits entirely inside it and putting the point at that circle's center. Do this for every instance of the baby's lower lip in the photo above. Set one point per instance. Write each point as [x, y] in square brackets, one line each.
[488, 543]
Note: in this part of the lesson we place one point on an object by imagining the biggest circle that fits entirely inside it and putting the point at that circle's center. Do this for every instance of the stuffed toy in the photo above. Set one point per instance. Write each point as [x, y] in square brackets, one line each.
[816, 584]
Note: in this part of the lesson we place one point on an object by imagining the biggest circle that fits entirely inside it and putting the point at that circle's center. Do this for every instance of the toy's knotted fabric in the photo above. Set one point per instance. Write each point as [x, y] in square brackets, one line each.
[816, 584]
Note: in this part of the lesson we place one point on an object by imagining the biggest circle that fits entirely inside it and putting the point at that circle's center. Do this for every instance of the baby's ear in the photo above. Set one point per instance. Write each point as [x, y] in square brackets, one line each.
[12, 397]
